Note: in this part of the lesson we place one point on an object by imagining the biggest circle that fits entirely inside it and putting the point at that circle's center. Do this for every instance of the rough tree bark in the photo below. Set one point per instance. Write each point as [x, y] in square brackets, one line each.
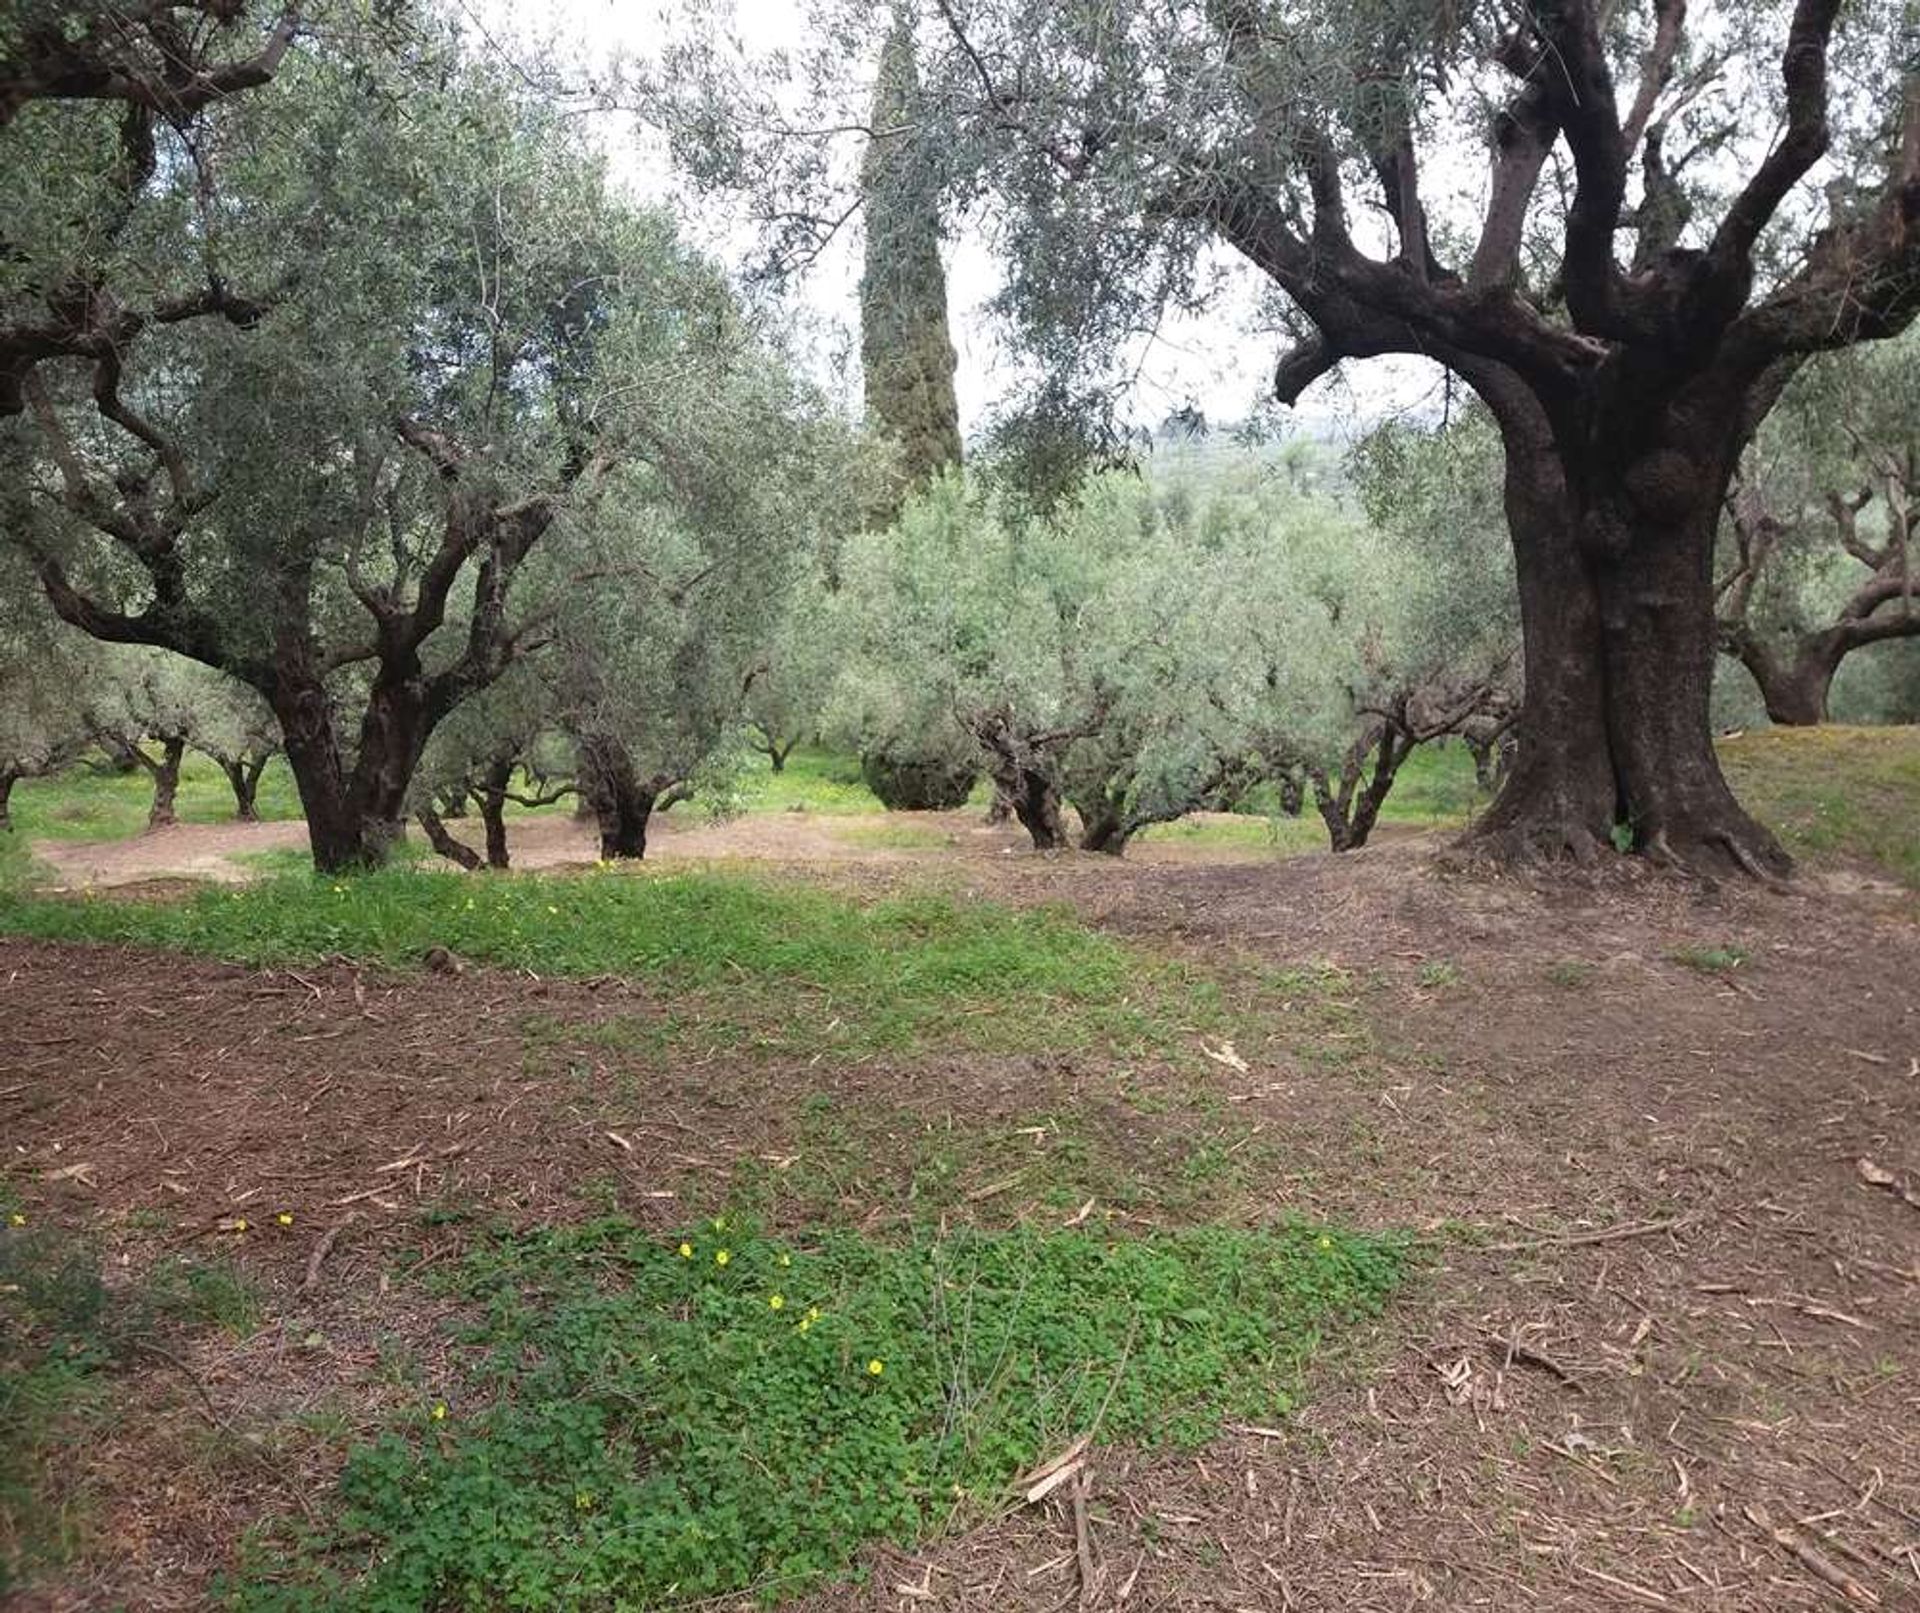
[355, 813]
[623, 801]
[8, 778]
[164, 770]
[1024, 768]
[441, 839]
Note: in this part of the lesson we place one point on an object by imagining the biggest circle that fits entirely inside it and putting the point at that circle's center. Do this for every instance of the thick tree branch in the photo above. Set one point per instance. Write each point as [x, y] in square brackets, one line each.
[134, 53]
[1803, 69]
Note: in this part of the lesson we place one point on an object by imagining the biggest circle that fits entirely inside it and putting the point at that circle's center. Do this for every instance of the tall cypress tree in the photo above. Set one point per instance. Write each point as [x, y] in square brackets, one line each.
[905, 350]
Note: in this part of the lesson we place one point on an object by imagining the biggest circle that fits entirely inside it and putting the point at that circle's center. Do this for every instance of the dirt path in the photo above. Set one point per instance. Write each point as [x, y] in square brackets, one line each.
[1667, 1354]
[224, 852]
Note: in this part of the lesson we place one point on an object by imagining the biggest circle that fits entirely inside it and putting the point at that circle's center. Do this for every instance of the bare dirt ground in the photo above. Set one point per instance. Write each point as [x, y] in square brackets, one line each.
[1666, 1354]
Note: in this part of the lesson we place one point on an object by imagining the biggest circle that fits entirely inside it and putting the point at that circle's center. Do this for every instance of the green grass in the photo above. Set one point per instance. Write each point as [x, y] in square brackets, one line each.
[763, 957]
[895, 836]
[642, 1422]
[81, 805]
[1710, 960]
[1851, 794]
[1286, 837]
[814, 780]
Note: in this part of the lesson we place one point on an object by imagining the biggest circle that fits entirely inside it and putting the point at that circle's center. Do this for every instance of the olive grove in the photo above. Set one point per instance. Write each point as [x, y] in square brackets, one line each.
[462, 339]
[1674, 215]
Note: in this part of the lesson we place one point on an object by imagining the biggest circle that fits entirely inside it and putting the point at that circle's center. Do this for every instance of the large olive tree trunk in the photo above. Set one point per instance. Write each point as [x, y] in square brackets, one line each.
[1614, 557]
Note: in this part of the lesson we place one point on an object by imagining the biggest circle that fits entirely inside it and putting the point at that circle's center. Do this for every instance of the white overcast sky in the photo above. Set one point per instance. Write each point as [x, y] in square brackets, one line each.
[1217, 364]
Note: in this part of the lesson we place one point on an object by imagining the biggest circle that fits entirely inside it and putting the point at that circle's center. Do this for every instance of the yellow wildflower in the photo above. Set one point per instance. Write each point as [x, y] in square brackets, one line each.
[875, 1367]
[721, 1257]
[776, 1302]
[1325, 1241]
[552, 909]
[16, 1219]
[240, 1223]
[784, 1261]
[284, 1219]
[440, 1412]
[686, 1251]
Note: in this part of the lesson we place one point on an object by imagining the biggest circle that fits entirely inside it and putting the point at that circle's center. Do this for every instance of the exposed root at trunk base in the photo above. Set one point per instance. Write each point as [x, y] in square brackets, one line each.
[1520, 844]
[1541, 845]
[1720, 852]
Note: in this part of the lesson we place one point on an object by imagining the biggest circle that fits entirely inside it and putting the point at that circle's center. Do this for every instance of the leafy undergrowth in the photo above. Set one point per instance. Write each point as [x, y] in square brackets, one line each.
[1835, 792]
[756, 951]
[640, 1422]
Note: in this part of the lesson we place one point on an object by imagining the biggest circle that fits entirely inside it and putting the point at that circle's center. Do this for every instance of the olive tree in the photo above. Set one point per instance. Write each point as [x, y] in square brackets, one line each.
[1817, 542]
[659, 607]
[788, 689]
[43, 679]
[334, 501]
[1678, 210]
[1090, 656]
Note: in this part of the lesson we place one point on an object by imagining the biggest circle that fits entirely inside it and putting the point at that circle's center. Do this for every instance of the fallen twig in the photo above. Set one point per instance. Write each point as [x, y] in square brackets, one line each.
[1082, 1541]
[324, 1248]
[1816, 1563]
[1575, 1240]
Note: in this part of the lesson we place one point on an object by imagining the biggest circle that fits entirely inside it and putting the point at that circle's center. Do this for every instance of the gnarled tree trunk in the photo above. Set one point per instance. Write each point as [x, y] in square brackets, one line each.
[166, 780]
[495, 780]
[1613, 547]
[243, 778]
[623, 802]
[441, 839]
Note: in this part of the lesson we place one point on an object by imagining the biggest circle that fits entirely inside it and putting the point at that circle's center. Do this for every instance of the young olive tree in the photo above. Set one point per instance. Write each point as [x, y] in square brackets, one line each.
[659, 607]
[1078, 652]
[1817, 544]
[1363, 632]
[1679, 209]
[335, 503]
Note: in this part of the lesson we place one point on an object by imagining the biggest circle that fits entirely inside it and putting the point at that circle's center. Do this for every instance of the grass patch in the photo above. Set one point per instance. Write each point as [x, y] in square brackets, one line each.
[82, 805]
[813, 780]
[639, 1423]
[900, 836]
[1286, 837]
[770, 963]
[1833, 791]
[1710, 960]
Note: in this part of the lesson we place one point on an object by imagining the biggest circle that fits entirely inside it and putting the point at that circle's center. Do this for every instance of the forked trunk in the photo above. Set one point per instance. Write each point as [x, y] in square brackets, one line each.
[243, 778]
[623, 802]
[1036, 803]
